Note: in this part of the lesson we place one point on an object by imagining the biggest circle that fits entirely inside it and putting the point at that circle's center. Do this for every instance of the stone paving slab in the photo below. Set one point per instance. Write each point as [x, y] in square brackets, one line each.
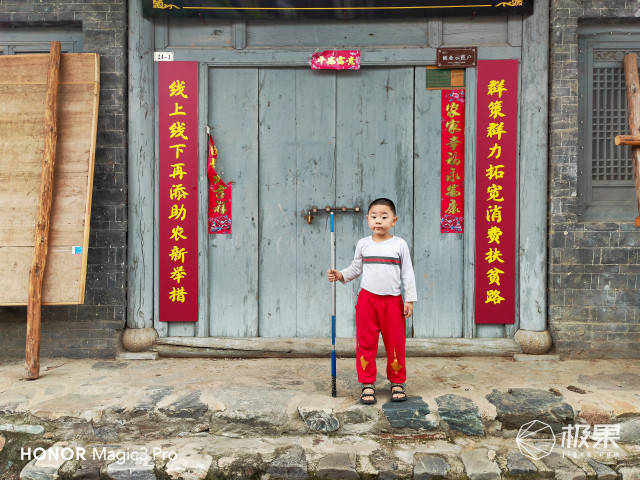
[480, 464]
[430, 467]
[460, 413]
[338, 466]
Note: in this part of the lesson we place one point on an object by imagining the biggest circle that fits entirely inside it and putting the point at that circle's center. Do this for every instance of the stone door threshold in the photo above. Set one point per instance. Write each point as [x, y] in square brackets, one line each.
[257, 347]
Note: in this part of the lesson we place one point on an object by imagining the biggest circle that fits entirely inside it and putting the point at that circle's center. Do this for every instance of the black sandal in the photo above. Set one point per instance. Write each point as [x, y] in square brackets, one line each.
[398, 389]
[368, 398]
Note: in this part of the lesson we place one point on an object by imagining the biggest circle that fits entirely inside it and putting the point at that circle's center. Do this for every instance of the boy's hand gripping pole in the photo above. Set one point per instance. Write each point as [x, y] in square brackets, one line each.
[333, 309]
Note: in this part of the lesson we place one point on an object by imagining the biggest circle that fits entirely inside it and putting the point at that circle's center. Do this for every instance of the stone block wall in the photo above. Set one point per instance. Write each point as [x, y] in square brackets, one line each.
[91, 329]
[594, 271]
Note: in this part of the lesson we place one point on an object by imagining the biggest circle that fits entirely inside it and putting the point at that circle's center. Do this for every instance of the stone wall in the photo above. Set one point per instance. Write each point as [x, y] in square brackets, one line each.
[594, 303]
[91, 329]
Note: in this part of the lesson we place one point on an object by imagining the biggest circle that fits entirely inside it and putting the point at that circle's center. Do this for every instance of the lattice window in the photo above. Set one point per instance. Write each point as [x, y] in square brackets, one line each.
[609, 162]
[605, 172]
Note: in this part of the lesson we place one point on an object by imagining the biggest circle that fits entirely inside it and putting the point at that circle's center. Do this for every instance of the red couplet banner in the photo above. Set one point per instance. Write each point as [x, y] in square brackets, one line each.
[496, 183]
[452, 161]
[219, 196]
[178, 191]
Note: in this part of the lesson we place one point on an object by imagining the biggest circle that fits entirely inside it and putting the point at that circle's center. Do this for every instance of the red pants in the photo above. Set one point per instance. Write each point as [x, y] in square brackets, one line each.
[375, 314]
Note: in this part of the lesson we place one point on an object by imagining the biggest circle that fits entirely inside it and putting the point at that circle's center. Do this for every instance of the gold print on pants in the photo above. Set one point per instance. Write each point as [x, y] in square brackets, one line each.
[363, 362]
[395, 365]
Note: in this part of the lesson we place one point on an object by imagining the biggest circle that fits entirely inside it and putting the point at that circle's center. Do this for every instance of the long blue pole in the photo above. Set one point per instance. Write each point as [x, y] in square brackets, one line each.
[333, 310]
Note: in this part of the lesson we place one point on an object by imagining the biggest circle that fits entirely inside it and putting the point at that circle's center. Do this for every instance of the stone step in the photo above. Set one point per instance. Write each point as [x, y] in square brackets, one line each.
[254, 411]
[299, 458]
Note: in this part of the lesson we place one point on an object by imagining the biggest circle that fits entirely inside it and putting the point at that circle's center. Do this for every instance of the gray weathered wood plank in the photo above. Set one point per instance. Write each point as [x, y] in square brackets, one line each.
[233, 259]
[315, 94]
[374, 158]
[199, 32]
[213, 33]
[533, 169]
[438, 256]
[332, 34]
[278, 209]
[485, 330]
[239, 34]
[509, 330]
[514, 30]
[461, 31]
[435, 32]
[202, 328]
[161, 327]
[469, 248]
[161, 33]
[140, 163]
[299, 57]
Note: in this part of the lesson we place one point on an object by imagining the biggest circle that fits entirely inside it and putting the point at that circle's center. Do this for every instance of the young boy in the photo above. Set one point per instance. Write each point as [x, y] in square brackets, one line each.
[385, 264]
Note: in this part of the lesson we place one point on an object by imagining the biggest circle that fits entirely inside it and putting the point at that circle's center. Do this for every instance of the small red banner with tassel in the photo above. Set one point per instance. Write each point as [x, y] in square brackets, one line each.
[219, 195]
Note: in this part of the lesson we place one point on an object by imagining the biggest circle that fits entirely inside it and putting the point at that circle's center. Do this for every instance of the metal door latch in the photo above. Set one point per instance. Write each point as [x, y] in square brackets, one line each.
[309, 213]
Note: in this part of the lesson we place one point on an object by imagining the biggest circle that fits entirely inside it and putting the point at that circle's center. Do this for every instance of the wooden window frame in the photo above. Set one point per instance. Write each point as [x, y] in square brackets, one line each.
[623, 38]
[38, 40]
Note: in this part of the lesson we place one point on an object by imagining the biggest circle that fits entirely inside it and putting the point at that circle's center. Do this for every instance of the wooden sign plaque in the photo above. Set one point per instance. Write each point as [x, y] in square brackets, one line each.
[459, 57]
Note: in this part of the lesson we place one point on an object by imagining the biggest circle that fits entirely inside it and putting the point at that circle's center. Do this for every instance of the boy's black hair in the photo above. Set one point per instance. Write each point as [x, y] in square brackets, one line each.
[383, 201]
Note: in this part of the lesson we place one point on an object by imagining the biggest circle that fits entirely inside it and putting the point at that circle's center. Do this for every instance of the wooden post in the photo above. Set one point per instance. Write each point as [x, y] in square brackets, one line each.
[633, 107]
[36, 274]
[627, 140]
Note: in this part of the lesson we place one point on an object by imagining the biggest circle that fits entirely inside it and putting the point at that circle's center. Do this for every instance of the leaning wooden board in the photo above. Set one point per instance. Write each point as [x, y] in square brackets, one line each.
[23, 80]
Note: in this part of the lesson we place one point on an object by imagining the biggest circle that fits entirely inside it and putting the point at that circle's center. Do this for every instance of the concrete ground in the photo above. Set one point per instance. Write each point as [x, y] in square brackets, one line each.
[276, 417]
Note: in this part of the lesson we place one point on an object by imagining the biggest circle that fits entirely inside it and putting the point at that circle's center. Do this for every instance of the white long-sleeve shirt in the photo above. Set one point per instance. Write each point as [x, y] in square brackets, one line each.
[385, 267]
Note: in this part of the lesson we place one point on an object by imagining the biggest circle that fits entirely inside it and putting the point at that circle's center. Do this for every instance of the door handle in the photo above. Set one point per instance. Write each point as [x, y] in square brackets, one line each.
[310, 212]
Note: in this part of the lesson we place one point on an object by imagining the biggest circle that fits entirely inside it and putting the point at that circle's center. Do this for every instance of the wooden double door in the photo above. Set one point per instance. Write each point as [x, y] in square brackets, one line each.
[292, 138]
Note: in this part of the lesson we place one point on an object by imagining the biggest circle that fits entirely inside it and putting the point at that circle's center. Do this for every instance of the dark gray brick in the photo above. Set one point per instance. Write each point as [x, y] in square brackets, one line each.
[571, 312]
[602, 268]
[601, 226]
[579, 281]
[556, 296]
[629, 268]
[584, 256]
[592, 239]
[609, 314]
[562, 268]
[629, 239]
[629, 297]
[613, 280]
[614, 256]
[590, 297]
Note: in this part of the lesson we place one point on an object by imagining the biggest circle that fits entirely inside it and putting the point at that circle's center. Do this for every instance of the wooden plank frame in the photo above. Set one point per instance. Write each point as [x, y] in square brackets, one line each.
[23, 80]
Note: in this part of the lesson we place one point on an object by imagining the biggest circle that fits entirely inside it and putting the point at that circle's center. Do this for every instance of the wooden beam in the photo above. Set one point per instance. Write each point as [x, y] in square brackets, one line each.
[43, 219]
[633, 107]
[628, 140]
[260, 347]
